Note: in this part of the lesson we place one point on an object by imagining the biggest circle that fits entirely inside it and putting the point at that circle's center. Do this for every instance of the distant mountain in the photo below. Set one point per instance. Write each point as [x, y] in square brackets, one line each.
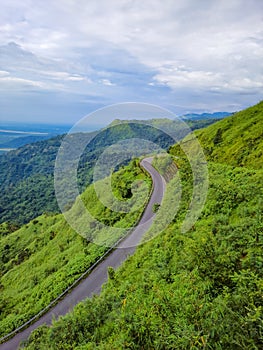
[196, 116]
[26, 174]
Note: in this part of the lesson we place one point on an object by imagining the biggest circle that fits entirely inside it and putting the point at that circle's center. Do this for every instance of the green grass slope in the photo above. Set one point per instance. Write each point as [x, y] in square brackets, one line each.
[199, 290]
[41, 259]
[236, 140]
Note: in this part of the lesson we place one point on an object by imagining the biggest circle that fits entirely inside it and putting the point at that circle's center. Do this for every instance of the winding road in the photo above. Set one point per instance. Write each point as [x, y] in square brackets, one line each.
[93, 282]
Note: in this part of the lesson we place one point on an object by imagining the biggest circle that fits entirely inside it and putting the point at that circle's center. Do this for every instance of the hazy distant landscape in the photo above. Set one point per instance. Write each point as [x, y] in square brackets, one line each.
[14, 135]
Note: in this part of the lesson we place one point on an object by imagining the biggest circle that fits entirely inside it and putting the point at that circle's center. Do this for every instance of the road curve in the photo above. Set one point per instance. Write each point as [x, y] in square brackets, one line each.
[93, 282]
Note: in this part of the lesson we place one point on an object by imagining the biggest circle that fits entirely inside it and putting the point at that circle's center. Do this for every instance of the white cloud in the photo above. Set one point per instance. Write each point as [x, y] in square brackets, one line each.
[14, 81]
[175, 48]
[107, 82]
[64, 76]
[4, 73]
[177, 78]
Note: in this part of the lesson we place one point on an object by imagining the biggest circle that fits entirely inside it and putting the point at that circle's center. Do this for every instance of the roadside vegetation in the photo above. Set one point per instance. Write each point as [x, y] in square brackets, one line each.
[198, 290]
[42, 258]
[26, 174]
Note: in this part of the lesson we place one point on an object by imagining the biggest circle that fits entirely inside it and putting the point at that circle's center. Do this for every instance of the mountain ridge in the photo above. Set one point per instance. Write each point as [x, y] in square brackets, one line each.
[205, 115]
[28, 171]
[201, 289]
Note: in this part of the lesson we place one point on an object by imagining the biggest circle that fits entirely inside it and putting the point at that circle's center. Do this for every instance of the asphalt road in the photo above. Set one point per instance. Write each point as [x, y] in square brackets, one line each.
[93, 282]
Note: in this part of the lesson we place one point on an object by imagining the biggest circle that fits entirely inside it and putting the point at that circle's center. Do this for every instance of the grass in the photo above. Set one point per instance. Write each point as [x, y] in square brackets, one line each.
[41, 259]
[198, 290]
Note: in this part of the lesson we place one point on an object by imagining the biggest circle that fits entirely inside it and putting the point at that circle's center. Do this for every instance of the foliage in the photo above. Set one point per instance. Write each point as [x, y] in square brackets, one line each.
[199, 290]
[42, 258]
[236, 140]
[26, 174]
[155, 207]
[26, 178]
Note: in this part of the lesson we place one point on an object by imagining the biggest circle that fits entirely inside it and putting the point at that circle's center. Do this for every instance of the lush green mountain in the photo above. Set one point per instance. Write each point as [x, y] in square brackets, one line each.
[199, 290]
[26, 178]
[236, 140]
[26, 174]
[41, 259]
[200, 123]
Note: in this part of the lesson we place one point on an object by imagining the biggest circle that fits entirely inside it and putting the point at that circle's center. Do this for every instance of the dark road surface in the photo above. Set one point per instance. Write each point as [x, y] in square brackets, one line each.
[93, 282]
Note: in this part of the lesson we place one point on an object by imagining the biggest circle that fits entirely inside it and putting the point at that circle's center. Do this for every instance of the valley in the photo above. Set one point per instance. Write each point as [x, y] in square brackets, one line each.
[194, 290]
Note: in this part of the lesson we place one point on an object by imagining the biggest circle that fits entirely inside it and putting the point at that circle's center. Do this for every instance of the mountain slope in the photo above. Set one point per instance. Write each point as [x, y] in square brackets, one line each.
[26, 178]
[236, 140]
[199, 290]
[26, 174]
[41, 259]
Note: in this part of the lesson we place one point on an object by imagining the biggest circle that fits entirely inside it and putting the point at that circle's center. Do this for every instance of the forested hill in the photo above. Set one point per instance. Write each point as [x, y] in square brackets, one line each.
[197, 290]
[26, 174]
[26, 181]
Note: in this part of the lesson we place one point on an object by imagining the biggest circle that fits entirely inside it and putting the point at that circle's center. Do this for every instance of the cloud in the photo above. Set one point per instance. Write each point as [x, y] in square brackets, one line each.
[64, 76]
[20, 81]
[166, 51]
[3, 73]
[107, 82]
[178, 78]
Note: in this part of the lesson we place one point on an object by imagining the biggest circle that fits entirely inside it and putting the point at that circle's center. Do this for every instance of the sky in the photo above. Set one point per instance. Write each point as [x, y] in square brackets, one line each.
[60, 60]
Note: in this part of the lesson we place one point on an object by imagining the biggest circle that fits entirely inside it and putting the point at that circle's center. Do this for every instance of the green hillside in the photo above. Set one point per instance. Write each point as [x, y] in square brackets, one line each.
[26, 174]
[236, 140]
[199, 290]
[26, 181]
[41, 259]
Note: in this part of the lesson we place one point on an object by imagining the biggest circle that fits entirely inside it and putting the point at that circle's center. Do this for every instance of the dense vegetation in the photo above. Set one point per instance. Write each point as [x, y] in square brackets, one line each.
[26, 178]
[199, 290]
[44, 257]
[236, 140]
[26, 174]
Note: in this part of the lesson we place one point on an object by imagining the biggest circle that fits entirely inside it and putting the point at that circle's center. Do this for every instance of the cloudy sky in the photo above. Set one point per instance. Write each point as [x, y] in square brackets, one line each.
[60, 60]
